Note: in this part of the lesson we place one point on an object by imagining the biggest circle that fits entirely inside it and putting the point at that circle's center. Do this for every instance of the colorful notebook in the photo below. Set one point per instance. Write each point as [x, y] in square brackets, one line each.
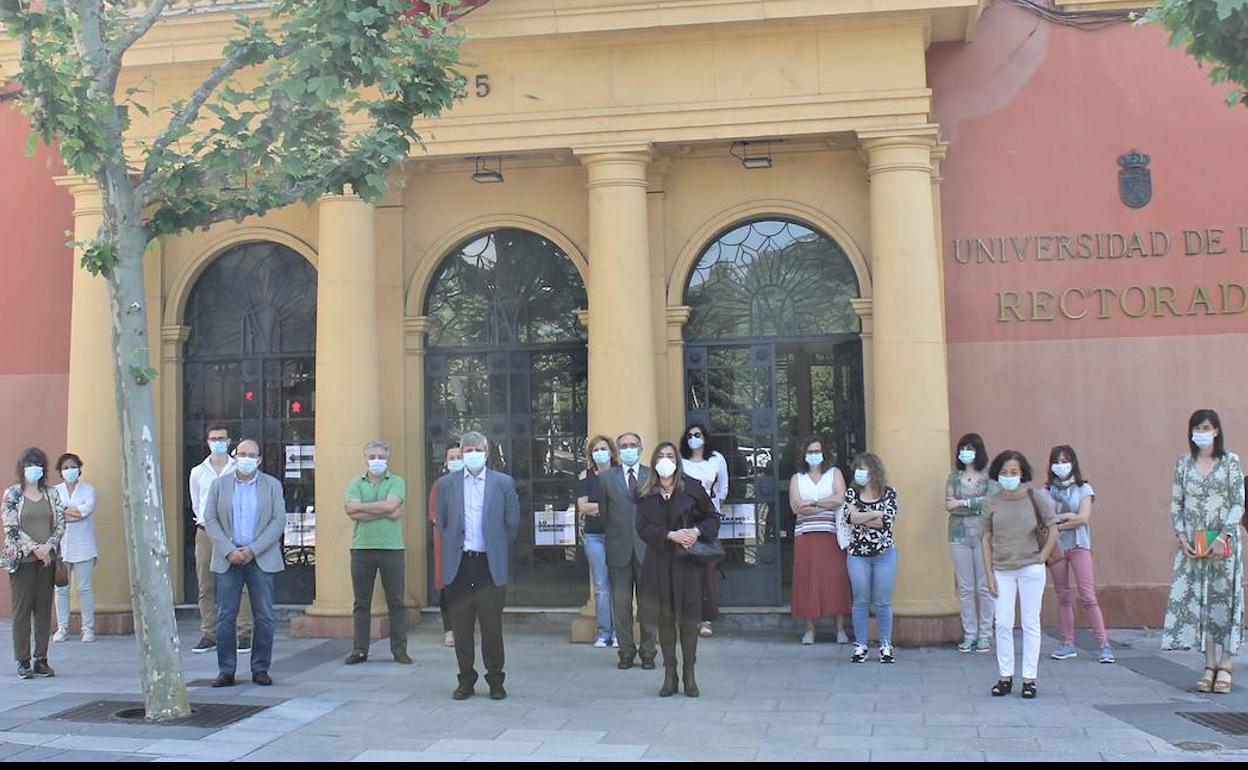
[1204, 543]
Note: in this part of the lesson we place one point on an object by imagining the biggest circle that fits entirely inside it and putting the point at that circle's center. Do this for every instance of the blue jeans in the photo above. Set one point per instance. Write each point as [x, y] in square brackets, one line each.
[229, 594]
[872, 581]
[596, 552]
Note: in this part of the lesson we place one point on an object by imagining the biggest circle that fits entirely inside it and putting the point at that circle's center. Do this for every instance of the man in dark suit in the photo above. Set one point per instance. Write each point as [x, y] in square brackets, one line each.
[478, 514]
[245, 516]
[617, 505]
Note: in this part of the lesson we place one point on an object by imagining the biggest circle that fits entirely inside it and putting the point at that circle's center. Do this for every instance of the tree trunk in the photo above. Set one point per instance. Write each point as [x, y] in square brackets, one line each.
[151, 591]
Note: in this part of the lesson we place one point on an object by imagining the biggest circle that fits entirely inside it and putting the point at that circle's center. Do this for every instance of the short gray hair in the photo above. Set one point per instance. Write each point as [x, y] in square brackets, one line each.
[378, 444]
[473, 438]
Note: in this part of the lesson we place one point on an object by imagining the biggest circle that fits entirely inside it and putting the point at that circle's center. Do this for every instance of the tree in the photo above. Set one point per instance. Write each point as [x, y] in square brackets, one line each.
[1212, 31]
[313, 97]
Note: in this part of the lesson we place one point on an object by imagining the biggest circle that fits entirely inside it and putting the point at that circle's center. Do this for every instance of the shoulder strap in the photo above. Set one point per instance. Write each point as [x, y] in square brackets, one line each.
[1035, 508]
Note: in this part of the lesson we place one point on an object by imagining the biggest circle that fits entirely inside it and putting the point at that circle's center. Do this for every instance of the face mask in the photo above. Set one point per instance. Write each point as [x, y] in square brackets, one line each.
[219, 447]
[967, 456]
[377, 467]
[248, 465]
[696, 442]
[1061, 470]
[602, 456]
[71, 474]
[455, 466]
[1201, 439]
[630, 455]
[861, 476]
[815, 459]
[665, 467]
[474, 460]
[33, 473]
[1009, 483]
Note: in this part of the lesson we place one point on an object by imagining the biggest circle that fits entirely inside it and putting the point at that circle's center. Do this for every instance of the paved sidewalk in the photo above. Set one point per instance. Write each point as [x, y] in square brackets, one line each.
[764, 698]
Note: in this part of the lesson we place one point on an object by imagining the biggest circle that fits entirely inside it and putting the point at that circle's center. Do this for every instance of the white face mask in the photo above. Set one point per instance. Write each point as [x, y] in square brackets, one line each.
[696, 442]
[1061, 470]
[377, 467]
[861, 476]
[1202, 439]
[967, 456]
[1009, 483]
[665, 467]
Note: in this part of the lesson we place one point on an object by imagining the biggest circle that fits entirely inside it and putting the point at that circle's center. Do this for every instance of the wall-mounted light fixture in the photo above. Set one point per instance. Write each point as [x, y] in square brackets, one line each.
[487, 173]
[752, 154]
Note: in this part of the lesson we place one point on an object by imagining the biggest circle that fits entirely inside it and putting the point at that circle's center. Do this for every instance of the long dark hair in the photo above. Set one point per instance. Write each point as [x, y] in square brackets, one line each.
[686, 451]
[1011, 454]
[32, 456]
[1069, 451]
[651, 485]
[1199, 416]
[975, 441]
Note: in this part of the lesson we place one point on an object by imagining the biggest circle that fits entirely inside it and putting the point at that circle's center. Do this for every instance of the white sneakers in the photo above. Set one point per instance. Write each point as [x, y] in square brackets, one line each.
[842, 637]
[59, 636]
[448, 640]
[88, 636]
[704, 628]
[600, 643]
[808, 637]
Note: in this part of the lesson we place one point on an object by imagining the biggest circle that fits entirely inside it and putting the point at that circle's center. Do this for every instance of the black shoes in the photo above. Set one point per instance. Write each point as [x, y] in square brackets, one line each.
[223, 680]
[671, 682]
[691, 684]
[1003, 686]
[205, 645]
[1029, 690]
[647, 664]
[401, 656]
[262, 678]
[356, 656]
[625, 663]
[24, 670]
[463, 692]
[42, 668]
[497, 692]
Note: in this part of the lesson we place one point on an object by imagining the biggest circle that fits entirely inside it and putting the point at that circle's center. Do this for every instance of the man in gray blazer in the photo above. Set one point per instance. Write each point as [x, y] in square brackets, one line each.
[617, 504]
[245, 517]
[478, 514]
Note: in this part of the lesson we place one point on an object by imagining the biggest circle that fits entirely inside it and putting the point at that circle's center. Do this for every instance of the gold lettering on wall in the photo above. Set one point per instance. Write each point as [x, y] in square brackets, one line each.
[1134, 301]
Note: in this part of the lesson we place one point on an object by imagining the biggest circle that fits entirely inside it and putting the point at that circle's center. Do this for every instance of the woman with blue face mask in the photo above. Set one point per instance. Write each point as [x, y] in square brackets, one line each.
[600, 456]
[872, 559]
[34, 523]
[1013, 521]
[1206, 606]
[965, 492]
[699, 463]
[820, 577]
[77, 547]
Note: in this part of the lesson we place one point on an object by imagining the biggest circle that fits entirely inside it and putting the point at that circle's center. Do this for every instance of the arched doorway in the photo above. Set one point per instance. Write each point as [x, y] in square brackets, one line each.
[250, 364]
[772, 354]
[507, 356]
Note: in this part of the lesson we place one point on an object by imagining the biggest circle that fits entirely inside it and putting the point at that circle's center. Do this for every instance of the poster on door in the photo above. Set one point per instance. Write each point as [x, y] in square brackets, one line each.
[554, 527]
[736, 522]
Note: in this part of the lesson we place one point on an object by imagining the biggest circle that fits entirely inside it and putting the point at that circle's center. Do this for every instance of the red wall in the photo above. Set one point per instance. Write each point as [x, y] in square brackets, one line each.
[1036, 115]
[35, 290]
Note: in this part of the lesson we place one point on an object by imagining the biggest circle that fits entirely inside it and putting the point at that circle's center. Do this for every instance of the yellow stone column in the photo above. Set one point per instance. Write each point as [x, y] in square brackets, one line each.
[172, 344]
[622, 393]
[92, 429]
[348, 396]
[910, 429]
[675, 319]
[863, 308]
[417, 507]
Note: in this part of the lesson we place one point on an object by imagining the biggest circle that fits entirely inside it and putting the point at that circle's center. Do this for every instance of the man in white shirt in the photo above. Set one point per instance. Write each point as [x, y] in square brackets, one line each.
[218, 463]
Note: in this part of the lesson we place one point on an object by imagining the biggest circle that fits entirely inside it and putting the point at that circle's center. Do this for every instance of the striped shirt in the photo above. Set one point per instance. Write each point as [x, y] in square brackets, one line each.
[809, 491]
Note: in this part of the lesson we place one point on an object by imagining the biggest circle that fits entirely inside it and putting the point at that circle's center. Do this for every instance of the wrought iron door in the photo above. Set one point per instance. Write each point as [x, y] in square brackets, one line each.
[250, 365]
[507, 357]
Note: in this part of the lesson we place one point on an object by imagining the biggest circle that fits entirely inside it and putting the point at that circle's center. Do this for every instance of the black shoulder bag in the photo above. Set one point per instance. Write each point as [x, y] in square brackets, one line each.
[710, 554]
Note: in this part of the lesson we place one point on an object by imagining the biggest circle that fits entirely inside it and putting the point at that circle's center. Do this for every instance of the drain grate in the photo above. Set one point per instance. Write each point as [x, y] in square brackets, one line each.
[1226, 722]
[206, 715]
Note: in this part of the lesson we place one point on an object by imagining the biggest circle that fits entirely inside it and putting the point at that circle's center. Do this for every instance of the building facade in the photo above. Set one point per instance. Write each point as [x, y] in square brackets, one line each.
[776, 217]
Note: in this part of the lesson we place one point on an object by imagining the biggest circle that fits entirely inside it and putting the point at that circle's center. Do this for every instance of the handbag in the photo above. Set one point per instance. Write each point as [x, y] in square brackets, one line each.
[60, 574]
[707, 553]
[1042, 532]
[1204, 540]
[844, 530]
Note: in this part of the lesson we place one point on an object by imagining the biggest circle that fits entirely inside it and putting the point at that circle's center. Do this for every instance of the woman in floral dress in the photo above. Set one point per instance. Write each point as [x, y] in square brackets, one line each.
[1206, 608]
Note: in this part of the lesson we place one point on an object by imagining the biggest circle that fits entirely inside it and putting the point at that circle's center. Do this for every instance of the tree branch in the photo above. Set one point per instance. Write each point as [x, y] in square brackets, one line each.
[89, 39]
[140, 28]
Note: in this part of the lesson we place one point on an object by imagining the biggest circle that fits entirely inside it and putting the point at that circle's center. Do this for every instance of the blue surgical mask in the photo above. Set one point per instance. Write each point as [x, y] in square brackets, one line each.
[1202, 439]
[475, 461]
[967, 456]
[815, 459]
[455, 466]
[630, 455]
[602, 456]
[32, 473]
[71, 474]
[861, 476]
[377, 467]
[248, 465]
[1009, 483]
[1061, 470]
[696, 442]
[219, 447]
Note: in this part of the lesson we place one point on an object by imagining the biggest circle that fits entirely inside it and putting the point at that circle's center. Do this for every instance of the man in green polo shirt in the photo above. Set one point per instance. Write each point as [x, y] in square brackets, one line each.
[375, 504]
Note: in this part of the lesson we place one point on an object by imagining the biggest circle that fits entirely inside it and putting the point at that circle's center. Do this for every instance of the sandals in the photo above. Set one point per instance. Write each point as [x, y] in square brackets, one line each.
[1003, 687]
[1206, 682]
[1029, 690]
[1222, 686]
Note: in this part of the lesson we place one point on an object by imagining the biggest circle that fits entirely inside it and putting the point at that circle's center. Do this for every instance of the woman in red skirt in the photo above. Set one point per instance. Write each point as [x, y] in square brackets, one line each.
[820, 578]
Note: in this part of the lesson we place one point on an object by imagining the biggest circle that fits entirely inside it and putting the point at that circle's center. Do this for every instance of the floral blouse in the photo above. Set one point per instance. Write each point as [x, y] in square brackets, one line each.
[17, 544]
[964, 520]
[869, 541]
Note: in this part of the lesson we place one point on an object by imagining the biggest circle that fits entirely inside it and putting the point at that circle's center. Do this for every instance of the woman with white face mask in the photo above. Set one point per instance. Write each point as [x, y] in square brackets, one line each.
[966, 490]
[1206, 607]
[600, 457]
[820, 577]
[1072, 498]
[673, 515]
[872, 559]
[698, 462]
[1013, 521]
[78, 547]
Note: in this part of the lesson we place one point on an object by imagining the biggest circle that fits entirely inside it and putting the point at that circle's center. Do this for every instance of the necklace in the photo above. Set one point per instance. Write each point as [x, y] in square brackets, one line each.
[667, 493]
